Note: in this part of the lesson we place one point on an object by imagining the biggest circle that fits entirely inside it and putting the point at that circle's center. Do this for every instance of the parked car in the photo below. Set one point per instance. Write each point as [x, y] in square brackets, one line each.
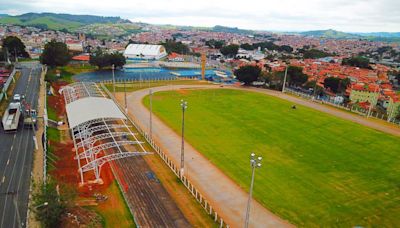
[17, 97]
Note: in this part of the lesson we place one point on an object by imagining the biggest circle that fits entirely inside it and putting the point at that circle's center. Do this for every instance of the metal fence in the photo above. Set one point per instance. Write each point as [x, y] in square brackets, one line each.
[7, 84]
[347, 107]
[210, 210]
[44, 84]
[146, 80]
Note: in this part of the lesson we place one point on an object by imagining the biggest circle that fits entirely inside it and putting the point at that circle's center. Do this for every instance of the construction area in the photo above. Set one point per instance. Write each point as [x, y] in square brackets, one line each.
[101, 147]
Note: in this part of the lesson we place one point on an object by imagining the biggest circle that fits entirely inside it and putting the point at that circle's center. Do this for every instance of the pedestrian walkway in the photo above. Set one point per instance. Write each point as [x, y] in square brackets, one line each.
[223, 193]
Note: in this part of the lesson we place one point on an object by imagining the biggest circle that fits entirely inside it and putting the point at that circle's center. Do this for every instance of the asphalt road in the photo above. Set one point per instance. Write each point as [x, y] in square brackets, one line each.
[16, 156]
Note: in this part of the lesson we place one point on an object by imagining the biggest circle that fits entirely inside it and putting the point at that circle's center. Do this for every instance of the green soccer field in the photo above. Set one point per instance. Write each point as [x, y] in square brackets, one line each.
[318, 170]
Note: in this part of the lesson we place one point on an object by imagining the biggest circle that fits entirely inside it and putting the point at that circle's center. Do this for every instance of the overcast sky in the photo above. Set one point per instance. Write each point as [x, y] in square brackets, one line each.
[277, 15]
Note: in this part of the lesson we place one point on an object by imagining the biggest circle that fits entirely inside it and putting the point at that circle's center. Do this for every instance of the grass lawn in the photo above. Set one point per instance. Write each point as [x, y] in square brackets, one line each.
[66, 72]
[115, 211]
[133, 86]
[53, 134]
[318, 170]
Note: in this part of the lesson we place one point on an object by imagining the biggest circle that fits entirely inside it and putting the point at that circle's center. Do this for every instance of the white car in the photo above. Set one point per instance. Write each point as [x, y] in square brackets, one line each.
[17, 97]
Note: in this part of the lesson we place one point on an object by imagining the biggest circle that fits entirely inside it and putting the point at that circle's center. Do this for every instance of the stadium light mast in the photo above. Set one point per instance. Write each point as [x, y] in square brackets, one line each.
[151, 113]
[284, 79]
[184, 107]
[255, 162]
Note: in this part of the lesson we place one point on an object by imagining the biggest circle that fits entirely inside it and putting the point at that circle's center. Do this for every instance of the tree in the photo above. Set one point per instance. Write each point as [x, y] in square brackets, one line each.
[332, 83]
[15, 47]
[314, 53]
[336, 85]
[49, 204]
[247, 46]
[357, 61]
[55, 54]
[102, 59]
[248, 74]
[230, 50]
[295, 76]
[217, 44]
[117, 59]
[312, 85]
[178, 47]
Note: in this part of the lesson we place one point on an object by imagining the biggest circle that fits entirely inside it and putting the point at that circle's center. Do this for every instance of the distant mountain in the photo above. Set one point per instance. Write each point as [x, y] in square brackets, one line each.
[330, 33]
[381, 34]
[58, 21]
[3, 15]
[219, 28]
[373, 36]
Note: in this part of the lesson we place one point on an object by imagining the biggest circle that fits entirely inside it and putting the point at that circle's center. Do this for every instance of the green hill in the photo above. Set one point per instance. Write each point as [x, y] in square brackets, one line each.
[58, 21]
[330, 33]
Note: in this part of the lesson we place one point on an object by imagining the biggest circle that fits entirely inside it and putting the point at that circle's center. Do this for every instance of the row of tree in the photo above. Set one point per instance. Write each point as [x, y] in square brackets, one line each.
[357, 61]
[103, 59]
[295, 78]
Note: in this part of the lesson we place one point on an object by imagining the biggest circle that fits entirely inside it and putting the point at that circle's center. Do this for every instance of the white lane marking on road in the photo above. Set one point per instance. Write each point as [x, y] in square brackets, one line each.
[4, 178]
[12, 146]
[8, 161]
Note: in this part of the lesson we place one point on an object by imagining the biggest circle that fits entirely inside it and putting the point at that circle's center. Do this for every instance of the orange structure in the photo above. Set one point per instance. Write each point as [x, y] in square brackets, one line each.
[203, 66]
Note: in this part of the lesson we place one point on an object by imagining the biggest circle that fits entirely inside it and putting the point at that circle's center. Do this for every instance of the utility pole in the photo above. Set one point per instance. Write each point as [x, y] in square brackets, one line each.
[113, 77]
[255, 162]
[184, 107]
[284, 79]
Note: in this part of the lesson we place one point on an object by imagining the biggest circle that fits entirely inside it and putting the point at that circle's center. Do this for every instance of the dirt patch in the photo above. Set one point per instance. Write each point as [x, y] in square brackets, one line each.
[183, 91]
[81, 217]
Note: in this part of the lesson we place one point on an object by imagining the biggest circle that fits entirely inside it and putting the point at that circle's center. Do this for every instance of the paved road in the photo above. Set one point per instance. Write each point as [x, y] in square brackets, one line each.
[16, 155]
[228, 198]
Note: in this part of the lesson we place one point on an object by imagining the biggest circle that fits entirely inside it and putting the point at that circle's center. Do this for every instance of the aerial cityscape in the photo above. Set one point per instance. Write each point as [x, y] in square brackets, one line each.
[200, 114]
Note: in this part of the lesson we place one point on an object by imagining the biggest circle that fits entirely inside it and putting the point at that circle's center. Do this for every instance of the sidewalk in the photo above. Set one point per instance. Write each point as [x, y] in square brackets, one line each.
[223, 193]
[37, 168]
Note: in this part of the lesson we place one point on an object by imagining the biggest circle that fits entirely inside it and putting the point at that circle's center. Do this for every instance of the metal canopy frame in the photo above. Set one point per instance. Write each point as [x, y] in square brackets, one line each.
[90, 138]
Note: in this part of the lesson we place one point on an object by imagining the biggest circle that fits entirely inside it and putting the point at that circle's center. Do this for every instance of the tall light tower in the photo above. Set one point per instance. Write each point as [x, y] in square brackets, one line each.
[203, 66]
[184, 107]
[151, 113]
[284, 79]
[255, 162]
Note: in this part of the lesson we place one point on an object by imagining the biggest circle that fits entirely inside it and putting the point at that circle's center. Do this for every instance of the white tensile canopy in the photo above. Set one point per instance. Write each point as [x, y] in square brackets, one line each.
[145, 51]
[90, 108]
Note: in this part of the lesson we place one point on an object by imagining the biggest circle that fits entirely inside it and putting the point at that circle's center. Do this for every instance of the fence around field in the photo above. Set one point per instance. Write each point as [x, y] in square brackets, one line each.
[361, 112]
[7, 84]
[146, 80]
[210, 210]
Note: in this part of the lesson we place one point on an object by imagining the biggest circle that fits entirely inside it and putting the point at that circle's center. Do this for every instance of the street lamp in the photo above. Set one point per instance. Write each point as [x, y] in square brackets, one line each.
[184, 107]
[42, 205]
[255, 162]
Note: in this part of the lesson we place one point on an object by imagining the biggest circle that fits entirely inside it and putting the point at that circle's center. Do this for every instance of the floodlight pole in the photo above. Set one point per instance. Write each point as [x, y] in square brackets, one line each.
[184, 107]
[126, 103]
[113, 77]
[151, 113]
[284, 79]
[255, 162]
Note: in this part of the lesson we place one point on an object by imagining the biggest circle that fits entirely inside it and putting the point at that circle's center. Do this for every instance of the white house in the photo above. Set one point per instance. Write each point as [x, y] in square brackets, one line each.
[145, 51]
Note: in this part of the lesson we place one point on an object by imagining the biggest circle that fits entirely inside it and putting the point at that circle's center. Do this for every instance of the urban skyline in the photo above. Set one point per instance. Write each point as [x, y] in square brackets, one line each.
[287, 15]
